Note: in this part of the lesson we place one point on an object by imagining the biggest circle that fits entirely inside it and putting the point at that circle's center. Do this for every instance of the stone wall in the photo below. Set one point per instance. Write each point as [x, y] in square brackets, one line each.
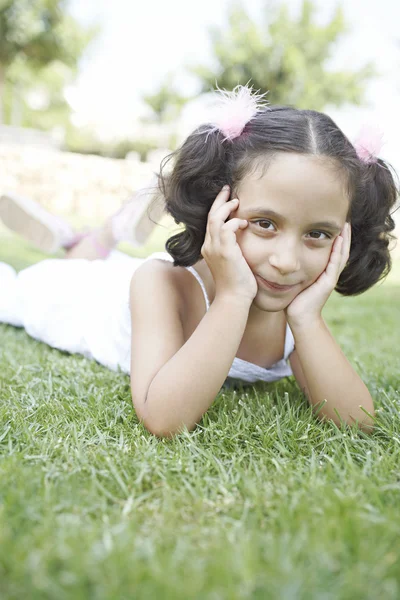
[82, 187]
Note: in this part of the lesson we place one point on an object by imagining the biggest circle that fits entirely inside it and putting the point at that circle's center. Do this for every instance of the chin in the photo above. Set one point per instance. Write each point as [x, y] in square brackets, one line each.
[270, 304]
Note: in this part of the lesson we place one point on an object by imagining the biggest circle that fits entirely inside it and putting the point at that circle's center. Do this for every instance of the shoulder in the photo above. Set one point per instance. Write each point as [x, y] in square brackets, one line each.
[160, 279]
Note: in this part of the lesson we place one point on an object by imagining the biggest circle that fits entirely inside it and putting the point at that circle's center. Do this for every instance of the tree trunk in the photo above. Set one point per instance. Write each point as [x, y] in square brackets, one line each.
[16, 106]
[2, 82]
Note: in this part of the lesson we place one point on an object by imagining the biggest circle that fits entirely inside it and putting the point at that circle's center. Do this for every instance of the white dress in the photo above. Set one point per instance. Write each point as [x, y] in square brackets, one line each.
[82, 306]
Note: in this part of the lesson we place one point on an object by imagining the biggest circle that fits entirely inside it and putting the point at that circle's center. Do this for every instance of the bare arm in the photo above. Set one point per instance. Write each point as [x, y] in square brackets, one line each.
[188, 383]
[325, 374]
[174, 383]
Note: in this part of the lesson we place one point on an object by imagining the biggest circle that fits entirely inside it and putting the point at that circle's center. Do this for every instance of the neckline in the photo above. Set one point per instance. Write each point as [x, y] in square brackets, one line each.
[236, 358]
[259, 367]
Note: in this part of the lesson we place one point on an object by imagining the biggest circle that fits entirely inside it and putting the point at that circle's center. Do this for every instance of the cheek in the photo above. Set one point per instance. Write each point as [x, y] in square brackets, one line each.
[243, 239]
[318, 263]
[250, 244]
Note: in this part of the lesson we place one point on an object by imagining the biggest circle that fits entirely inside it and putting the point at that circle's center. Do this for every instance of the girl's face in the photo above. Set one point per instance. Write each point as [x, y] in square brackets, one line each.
[295, 210]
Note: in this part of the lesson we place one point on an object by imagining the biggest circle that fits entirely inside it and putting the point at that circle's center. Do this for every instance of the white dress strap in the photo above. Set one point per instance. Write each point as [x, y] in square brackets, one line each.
[203, 287]
[289, 342]
[168, 257]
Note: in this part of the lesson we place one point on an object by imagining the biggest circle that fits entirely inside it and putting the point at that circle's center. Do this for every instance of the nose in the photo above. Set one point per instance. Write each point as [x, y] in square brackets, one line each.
[285, 258]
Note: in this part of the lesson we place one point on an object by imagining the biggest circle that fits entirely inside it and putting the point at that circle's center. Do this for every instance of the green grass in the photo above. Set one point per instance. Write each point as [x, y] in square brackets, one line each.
[261, 501]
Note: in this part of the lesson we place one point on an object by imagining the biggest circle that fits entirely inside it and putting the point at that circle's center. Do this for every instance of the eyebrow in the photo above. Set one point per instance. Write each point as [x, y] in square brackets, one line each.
[262, 211]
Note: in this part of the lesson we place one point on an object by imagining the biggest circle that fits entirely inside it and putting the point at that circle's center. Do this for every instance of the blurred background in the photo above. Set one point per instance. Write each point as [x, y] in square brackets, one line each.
[94, 93]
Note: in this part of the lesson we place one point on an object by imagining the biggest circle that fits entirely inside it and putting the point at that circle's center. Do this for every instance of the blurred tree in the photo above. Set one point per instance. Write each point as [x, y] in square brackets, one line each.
[287, 56]
[166, 102]
[34, 35]
[35, 97]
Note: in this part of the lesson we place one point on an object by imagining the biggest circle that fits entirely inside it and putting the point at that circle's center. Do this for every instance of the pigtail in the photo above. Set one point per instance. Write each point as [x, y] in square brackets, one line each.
[201, 169]
[371, 224]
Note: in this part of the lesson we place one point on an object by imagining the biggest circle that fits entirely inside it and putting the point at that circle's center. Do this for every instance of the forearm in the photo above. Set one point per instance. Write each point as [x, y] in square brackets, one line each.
[330, 378]
[185, 387]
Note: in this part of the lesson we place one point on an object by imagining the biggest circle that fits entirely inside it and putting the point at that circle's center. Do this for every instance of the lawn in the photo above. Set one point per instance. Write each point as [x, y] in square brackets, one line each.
[261, 501]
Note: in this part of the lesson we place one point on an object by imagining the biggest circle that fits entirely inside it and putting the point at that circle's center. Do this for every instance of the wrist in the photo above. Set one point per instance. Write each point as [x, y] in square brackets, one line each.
[305, 324]
[241, 301]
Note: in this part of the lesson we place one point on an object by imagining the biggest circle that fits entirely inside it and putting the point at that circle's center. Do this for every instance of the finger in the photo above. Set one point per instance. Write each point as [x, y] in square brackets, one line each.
[346, 245]
[220, 199]
[220, 215]
[227, 234]
[335, 260]
[233, 225]
[229, 229]
[225, 210]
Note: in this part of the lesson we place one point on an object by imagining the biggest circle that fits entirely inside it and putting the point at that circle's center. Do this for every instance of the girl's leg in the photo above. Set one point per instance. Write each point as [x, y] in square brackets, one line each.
[28, 218]
[93, 245]
[131, 223]
[49, 233]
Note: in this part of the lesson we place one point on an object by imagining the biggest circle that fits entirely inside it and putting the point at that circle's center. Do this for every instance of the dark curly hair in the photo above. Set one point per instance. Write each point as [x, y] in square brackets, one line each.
[205, 162]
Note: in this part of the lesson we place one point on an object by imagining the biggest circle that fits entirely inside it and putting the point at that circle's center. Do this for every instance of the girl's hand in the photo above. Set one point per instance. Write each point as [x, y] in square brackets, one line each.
[307, 306]
[232, 275]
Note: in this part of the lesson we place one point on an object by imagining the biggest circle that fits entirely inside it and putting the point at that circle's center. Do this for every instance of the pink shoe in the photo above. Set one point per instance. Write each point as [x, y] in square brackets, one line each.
[29, 219]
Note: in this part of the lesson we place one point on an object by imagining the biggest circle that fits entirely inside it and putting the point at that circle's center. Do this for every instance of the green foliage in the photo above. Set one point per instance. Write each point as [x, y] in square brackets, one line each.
[288, 56]
[40, 46]
[166, 102]
[41, 31]
[84, 141]
[142, 147]
[46, 85]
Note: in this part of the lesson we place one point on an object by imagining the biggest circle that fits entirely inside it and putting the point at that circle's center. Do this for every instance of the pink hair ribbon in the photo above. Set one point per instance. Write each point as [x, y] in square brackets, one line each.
[368, 144]
[234, 110]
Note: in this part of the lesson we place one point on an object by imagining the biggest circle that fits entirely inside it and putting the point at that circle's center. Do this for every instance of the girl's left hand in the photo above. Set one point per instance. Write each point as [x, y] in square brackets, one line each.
[307, 306]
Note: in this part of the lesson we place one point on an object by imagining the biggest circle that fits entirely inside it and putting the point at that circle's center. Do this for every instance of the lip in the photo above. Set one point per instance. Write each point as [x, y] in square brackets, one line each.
[274, 286]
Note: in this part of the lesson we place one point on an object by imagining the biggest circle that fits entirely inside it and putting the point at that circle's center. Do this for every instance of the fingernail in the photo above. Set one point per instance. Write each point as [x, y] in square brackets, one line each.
[226, 187]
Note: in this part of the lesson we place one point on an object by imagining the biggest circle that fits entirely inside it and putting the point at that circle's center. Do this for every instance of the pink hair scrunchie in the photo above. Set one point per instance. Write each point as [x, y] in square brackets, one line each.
[368, 144]
[234, 110]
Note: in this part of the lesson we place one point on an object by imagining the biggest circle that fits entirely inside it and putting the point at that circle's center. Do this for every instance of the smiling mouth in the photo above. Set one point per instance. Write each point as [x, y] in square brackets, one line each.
[274, 286]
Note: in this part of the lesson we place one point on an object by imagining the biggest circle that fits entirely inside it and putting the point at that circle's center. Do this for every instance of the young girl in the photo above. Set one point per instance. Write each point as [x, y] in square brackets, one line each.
[266, 196]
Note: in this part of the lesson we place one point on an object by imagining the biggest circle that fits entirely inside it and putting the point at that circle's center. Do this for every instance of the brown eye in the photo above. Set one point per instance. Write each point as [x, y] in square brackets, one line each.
[314, 234]
[264, 224]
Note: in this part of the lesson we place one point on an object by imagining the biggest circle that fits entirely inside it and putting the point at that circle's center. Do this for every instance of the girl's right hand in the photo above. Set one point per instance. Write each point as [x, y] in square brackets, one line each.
[232, 275]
